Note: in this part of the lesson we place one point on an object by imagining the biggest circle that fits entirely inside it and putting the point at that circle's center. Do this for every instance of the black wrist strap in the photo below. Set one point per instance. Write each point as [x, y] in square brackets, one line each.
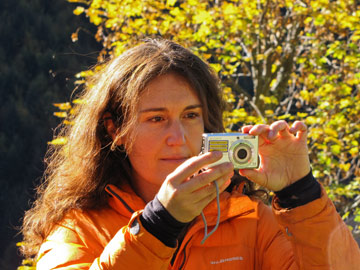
[303, 191]
[158, 221]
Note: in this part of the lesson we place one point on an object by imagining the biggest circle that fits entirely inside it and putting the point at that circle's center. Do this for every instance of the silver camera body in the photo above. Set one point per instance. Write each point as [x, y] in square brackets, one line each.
[238, 148]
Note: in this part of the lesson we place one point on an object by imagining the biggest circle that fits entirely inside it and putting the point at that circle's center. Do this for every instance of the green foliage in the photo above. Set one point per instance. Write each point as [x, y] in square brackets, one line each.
[302, 57]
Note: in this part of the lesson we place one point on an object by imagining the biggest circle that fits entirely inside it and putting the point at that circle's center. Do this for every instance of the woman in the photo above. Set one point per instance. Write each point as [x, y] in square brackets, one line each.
[127, 192]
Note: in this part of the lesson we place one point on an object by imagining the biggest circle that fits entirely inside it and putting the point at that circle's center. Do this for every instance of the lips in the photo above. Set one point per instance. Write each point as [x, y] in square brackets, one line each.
[175, 159]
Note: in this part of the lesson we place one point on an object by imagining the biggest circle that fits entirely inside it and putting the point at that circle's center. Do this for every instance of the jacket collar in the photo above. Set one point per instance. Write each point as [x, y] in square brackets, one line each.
[124, 200]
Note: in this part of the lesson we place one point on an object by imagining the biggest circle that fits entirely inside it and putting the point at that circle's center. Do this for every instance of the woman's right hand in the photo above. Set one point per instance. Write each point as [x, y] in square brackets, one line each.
[185, 193]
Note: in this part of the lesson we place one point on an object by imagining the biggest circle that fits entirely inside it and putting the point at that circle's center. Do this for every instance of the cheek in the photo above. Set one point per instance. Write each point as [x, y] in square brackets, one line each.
[143, 151]
[196, 137]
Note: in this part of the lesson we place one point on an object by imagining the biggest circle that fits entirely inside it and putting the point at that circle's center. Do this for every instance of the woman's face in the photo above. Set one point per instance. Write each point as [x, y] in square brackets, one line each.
[169, 129]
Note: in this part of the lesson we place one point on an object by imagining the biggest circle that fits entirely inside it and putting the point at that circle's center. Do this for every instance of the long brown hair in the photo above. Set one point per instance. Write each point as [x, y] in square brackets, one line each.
[77, 173]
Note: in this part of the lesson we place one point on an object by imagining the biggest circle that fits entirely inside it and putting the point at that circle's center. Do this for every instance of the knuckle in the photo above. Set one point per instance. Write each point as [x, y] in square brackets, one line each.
[226, 168]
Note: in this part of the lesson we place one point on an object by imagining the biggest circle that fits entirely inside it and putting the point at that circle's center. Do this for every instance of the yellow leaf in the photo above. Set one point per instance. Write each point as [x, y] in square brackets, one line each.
[260, 57]
[175, 12]
[344, 103]
[66, 122]
[78, 101]
[216, 66]
[95, 19]
[308, 20]
[301, 115]
[170, 3]
[354, 151]
[335, 149]
[284, 116]
[63, 106]
[330, 132]
[228, 9]
[60, 114]
[74, 37]
[79, 82]
[59, 141]
[311, 120]
[355, 143]
[273, 82]
[345, 167]
[193, 2]
[202, 17]
[78, 10]
[273, 68]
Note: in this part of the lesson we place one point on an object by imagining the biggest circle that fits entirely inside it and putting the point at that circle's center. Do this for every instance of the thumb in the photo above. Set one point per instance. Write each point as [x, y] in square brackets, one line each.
[254, 175]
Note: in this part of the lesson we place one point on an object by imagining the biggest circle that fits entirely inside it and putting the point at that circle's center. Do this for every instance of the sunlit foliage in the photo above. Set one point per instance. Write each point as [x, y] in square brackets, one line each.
[278, 59]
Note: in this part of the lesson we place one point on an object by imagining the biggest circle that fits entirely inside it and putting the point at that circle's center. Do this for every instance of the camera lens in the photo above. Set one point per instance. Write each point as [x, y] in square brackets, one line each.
[242, 153]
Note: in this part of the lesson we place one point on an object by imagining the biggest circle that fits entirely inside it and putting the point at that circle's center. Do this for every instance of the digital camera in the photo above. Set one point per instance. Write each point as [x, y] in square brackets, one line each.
[238, 148]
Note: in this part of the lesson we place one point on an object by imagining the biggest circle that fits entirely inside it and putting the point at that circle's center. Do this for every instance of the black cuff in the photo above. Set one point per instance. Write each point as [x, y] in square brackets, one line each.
[158, 221]
[303, 191]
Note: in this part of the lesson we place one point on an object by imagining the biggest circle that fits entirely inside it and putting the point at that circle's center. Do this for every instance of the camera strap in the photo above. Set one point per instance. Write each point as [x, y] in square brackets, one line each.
[207, 235]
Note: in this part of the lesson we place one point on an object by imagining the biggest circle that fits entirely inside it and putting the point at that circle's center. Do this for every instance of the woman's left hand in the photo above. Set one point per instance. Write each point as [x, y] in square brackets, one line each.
[283, 152]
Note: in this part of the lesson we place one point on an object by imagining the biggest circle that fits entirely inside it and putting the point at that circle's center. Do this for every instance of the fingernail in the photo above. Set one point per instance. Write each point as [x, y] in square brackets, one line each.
[270, 134]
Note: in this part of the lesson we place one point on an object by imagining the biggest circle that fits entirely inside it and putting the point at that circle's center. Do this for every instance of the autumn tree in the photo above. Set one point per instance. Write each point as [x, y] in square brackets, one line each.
[278, 59]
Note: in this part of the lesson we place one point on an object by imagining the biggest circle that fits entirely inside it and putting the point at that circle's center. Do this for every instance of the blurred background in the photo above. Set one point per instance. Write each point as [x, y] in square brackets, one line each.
[38, 66]
[277, 59]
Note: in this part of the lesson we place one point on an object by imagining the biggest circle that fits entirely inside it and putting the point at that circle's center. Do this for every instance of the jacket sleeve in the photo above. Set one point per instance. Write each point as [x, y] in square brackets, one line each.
[131, 248]
[273, 251]
[318, 236]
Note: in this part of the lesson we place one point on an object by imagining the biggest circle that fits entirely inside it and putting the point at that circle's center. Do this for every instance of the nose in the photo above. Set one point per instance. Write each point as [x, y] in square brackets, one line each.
[176, 134]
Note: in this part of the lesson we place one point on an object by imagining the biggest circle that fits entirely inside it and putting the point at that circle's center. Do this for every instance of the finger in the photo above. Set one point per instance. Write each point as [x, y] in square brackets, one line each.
[281, 127]
[222, 185]
[193, 165]
[254, 176]
[222, 182]
[299, 129]
[207, 197]
[208, 194]
[202, 180]
[259, 130]
[246, 129]
[226, 184]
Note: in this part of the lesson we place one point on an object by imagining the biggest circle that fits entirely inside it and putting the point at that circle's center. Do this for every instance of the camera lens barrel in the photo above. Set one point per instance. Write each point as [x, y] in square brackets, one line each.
[242, 153]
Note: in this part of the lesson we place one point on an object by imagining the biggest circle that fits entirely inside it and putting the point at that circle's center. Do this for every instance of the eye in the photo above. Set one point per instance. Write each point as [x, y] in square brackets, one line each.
[156, 119]
[192, 115]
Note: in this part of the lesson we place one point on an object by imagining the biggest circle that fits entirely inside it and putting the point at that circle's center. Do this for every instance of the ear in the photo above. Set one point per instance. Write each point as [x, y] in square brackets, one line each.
[110, 127]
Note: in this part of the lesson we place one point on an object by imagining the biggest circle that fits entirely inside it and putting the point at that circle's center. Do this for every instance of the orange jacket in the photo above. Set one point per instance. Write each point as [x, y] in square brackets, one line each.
[250, 236]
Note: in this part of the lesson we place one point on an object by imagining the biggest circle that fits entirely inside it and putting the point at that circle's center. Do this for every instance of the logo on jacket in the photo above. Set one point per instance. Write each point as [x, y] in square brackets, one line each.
[238, 258]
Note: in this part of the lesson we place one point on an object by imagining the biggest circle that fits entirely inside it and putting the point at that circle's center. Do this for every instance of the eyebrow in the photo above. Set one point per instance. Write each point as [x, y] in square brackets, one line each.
[160, 109]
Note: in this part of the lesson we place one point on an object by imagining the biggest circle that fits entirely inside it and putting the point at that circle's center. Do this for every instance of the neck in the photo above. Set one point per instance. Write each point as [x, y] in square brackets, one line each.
[145, 190]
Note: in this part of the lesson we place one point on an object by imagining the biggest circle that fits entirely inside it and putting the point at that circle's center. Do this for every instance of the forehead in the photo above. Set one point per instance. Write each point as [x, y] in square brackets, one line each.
[168, 90]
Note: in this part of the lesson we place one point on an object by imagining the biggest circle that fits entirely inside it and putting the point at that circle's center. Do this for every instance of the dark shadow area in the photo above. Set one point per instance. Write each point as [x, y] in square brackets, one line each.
[38, 64]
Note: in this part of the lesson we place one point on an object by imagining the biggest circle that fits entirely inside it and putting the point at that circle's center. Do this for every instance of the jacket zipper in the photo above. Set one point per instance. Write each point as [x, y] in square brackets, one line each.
[184, 254]
[120, 199]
